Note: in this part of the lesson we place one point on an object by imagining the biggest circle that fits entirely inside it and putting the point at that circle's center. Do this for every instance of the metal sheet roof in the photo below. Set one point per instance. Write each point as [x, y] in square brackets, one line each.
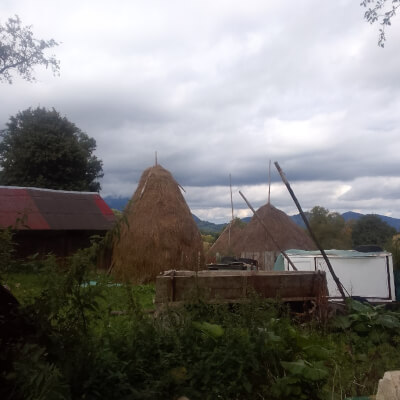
[44, 209]
[335, 253]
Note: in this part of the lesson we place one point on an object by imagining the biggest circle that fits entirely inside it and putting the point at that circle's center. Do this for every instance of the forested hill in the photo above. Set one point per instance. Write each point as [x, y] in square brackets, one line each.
[119, 203]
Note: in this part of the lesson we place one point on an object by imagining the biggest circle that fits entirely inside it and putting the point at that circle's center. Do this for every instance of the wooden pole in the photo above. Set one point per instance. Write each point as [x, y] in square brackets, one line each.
[268, 232]
[229, 237]
[305, 220]
[269, 182]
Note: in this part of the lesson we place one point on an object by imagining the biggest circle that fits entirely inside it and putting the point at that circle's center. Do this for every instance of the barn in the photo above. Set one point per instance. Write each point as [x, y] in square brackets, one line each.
[52, 221]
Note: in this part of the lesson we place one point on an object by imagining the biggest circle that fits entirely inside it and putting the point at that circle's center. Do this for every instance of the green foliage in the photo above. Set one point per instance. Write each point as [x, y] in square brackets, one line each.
[6, 250]
[370, 229]
[208, 238]
[20, 51]
[393, 246]
[366, 341]
[40, 148]
[330, 228]
[72, 347]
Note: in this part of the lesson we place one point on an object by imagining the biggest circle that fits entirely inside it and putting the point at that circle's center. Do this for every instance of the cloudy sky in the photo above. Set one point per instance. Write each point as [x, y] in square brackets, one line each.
[221, 87]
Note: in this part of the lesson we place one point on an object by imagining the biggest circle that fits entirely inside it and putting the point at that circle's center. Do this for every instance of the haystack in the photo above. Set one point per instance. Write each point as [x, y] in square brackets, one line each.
[157, 232]
[227, 242]
[257, 244]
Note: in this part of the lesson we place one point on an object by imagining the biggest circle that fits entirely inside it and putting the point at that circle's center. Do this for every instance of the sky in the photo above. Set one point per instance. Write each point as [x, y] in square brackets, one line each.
[222, 87]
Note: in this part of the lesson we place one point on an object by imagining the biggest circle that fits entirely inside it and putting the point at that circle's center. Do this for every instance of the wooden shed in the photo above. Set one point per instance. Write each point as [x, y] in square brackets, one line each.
[52, 221]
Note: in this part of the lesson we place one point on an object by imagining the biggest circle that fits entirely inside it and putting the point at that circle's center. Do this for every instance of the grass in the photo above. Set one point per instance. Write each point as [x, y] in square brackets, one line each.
[26, 286]
[76, 348]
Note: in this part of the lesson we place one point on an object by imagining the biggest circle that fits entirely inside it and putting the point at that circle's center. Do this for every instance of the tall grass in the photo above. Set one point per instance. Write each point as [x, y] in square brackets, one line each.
[63, 342]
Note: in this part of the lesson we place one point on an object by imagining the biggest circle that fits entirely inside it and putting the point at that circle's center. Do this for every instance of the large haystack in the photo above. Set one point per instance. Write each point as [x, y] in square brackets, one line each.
[259, 245]
[227, 242]
[159, 233]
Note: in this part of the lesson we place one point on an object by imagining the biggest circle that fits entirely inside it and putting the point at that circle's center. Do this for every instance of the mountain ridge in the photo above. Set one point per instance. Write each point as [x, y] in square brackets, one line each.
[207, 227]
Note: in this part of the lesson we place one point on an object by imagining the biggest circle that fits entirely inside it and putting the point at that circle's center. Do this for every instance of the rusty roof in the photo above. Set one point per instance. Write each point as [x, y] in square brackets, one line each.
[45, 209]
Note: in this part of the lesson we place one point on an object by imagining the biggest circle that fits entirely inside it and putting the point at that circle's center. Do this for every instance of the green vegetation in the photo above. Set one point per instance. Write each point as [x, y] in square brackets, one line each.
[330, 228]
[39, 148]
[370, 229]
[64, 342]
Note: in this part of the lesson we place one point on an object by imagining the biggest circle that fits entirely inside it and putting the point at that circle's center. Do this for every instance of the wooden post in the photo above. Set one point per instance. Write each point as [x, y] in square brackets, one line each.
[268, 232]
[229, 237]
[305, 220]
[269, 182]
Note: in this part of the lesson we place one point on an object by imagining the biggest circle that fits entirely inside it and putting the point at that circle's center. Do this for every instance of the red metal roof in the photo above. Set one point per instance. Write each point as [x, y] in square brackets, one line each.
[44, 209]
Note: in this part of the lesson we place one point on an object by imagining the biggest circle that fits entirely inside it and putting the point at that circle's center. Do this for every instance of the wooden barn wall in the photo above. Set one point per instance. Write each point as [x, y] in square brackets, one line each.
[60, 243]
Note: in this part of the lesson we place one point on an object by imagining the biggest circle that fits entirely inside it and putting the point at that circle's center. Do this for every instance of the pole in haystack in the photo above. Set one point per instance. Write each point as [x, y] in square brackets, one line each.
[229, 233]
[156, 159]
[269, 182]
[305, 220]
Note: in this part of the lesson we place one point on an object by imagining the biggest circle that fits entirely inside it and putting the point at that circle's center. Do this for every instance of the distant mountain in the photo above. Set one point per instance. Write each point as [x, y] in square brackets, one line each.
[206, 227]
[351, 215]
[119, 203]
[298, 220]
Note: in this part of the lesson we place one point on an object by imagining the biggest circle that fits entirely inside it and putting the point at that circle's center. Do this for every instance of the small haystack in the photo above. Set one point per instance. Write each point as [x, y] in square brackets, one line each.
[225, 245]
[257, 244]
[159, 233]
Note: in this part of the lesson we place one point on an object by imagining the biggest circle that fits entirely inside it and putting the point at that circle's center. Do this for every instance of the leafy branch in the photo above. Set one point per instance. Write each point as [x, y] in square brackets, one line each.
[20, 51]
[380, 11]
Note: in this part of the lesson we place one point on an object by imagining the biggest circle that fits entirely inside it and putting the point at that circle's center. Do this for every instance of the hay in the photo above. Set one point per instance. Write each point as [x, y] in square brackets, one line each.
[222, 245]
[160, 233]
[285, 232]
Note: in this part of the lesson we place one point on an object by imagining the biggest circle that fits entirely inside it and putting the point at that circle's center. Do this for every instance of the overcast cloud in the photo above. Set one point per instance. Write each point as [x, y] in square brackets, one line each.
[221, 87]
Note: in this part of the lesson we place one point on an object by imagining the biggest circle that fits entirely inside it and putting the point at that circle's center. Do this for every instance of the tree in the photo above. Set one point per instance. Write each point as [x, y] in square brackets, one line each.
[330, 228]
[382, 12]
[42, 149]
[370, 229]
[20, 51]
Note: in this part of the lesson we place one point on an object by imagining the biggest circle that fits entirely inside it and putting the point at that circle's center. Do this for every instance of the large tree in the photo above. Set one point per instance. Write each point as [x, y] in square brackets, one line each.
[39, 148]
[20, 51]
[330, 228]
[370, 229]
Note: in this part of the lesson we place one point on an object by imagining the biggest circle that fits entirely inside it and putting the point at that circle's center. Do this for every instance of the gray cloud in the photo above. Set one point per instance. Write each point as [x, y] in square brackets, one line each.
[220, 88]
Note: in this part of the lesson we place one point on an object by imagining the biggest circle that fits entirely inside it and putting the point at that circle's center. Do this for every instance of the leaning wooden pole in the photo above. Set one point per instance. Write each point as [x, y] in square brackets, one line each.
[303, 216]
[268, 232]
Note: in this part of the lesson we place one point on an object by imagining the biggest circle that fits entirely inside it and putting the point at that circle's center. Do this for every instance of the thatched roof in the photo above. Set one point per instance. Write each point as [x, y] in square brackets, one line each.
[159, 233]
[223, 245]
[284, 231]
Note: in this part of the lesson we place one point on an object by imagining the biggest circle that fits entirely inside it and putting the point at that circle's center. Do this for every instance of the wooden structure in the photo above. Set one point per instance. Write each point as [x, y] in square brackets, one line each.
[233, 286]
[52, 221]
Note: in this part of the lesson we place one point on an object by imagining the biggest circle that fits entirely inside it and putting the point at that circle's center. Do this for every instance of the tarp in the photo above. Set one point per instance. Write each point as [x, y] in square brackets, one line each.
[280, 265]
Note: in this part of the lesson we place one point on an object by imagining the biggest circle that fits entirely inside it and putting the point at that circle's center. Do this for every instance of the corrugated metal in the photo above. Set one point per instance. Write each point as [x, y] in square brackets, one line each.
[42, 209]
